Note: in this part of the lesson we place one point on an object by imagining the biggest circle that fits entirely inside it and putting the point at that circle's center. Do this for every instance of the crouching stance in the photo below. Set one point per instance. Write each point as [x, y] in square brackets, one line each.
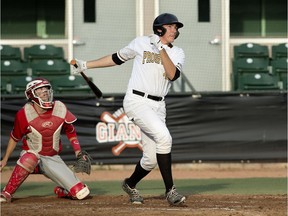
[39, 124]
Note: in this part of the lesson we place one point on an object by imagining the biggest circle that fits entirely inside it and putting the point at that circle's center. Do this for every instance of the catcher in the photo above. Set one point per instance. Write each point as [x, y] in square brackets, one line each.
[39, 124]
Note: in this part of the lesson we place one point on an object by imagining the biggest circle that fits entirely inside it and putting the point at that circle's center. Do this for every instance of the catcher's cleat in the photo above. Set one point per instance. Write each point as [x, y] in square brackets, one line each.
[61, 192]
[5, 197]
[174, 198]
[135, 197]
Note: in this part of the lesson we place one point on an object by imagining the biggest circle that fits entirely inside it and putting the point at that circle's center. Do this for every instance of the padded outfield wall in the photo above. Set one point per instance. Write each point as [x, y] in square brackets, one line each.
[227, 127]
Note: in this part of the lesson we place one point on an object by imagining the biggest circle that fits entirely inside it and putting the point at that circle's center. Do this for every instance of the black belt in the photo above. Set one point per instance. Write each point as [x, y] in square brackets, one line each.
[152, 97]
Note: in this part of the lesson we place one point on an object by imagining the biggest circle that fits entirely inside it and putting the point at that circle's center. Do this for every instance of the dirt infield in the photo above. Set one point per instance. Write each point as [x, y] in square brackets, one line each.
[204, 205]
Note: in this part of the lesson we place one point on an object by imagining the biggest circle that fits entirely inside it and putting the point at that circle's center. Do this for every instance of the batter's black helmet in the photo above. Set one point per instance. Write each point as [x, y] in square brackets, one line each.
[164, 19]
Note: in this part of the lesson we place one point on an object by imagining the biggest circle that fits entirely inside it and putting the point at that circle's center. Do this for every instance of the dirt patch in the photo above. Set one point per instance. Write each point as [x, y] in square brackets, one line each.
[204, 205]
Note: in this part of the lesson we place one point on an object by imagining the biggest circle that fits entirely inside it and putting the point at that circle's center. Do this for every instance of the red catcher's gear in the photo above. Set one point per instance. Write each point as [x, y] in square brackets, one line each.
[25, 165]
[30, 92]
[79, 191]
[45, 131]
[62, 193]
[19, 174]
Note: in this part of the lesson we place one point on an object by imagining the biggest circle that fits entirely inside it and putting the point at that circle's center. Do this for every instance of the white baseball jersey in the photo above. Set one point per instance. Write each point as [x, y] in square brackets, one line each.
[148, 74]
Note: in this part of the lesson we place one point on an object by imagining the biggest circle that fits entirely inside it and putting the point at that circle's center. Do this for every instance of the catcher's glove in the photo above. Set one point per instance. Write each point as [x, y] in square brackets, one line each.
[83, 163]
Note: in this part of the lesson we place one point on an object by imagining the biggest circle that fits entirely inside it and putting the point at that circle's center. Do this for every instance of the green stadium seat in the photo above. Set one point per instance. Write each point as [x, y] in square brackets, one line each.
[280, 51]
[248, 65]
[43, 51]
[50, 67]
[250, 50]
[8, 52]
[19, 84]
[257, 81]
[283, 81]
[12, 69]
[251, 64]
[70, 85]
[279, 69]
[4, 86]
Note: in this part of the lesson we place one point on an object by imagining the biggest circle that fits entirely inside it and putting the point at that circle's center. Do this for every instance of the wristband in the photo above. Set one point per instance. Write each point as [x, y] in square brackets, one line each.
[75, 144]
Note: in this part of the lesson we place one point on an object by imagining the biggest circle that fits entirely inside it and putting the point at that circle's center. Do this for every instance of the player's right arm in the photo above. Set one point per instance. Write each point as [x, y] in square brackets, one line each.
[19, 129]
[106, 61]
[10, 148]
[117, 58]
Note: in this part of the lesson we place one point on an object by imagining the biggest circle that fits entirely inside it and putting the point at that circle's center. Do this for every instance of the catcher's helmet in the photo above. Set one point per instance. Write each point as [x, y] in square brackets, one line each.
[30, 92]
[164, 19]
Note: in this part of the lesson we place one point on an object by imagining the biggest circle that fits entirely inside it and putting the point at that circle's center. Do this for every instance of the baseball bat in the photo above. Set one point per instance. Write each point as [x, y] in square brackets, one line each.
[93, 87]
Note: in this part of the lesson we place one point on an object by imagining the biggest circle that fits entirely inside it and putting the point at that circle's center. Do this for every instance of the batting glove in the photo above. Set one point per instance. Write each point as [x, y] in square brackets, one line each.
[81, 66]
[155, 40]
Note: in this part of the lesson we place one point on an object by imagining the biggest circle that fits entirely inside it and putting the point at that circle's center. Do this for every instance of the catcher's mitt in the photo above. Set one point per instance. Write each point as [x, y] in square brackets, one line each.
[83, 163]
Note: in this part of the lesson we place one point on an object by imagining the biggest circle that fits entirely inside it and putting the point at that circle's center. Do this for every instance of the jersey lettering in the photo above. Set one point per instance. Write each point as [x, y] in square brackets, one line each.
[151, 57]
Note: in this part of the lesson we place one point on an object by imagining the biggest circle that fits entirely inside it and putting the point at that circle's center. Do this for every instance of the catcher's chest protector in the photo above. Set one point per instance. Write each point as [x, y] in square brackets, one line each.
[45, 130]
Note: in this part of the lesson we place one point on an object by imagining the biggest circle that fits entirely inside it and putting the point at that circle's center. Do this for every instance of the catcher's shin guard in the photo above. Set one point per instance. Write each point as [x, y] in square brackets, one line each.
[79, 191]
[18, 176]
[5, 197]
[25, 165]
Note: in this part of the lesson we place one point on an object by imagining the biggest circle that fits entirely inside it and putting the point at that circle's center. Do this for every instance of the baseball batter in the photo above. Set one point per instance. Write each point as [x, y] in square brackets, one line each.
[157, 63]
[39, 124]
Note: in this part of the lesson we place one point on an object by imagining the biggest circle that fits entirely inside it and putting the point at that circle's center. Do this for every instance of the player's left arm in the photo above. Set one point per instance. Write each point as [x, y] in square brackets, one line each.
[71, 134]
[170, 68]
[172, 71]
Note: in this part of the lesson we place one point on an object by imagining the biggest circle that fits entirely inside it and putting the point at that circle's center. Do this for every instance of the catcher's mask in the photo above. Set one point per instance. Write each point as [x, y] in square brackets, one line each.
[164, 19]
[31, 95]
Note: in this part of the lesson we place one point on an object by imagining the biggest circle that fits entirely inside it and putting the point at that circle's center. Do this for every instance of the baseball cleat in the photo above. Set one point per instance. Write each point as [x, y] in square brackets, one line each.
[61, 192]
[174, 198]
[135, 197]
[5, 197]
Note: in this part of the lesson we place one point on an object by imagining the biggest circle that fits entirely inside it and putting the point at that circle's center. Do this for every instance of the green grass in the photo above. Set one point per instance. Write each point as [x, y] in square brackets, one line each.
[250, 186]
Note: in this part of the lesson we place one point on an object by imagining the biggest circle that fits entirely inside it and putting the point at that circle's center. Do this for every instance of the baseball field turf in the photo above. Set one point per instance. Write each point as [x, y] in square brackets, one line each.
[248, 186]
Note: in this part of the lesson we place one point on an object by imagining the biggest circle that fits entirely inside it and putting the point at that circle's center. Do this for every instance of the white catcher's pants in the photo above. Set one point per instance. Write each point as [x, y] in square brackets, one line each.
[56, 169]
[150, 117]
